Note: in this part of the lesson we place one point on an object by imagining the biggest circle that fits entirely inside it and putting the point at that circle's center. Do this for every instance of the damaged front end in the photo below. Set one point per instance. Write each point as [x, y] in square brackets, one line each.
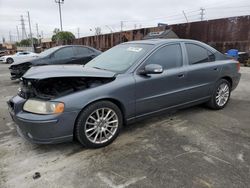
[17, 71]
[40, 115]
[50, 88]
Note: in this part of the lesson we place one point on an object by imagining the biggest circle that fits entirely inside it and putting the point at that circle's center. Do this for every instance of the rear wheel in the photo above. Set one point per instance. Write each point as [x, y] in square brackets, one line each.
[221, 95]
[98, 124]
[9, 60]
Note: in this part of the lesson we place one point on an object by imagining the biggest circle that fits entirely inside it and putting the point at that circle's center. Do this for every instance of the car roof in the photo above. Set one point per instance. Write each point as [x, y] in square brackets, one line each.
[158, 42]
[161, 41]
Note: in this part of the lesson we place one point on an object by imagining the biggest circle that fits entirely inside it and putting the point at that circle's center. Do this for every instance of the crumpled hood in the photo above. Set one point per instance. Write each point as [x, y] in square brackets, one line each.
[56, 71]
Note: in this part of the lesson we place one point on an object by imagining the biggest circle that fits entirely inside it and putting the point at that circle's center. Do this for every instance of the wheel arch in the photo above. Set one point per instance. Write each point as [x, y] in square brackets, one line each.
[229, 79]
[115, 101]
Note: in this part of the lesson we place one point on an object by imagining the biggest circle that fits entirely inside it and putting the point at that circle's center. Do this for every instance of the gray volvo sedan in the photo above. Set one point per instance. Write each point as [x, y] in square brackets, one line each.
[131, 80]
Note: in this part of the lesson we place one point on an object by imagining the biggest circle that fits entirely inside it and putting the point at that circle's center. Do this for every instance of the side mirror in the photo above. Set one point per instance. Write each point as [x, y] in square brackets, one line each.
[152, 69]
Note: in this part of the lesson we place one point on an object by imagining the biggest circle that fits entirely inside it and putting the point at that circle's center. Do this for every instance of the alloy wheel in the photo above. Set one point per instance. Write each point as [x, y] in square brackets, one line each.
[222, 94]
[101, 125]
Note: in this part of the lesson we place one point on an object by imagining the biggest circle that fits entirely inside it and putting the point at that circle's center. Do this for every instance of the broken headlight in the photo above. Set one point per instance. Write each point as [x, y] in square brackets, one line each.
[43, 107]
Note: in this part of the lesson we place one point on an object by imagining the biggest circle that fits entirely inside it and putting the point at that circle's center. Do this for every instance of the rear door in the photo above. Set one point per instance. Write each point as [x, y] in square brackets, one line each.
[203, 71]
[83, 55]
[63, 56]
[159, 91]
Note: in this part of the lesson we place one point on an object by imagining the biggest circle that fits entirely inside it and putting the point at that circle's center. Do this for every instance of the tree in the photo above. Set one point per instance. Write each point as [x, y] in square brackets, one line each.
[27, 42]
[64, 37]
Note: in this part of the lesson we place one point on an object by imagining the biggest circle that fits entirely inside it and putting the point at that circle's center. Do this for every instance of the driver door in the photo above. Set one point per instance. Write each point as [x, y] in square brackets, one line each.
[156, 92]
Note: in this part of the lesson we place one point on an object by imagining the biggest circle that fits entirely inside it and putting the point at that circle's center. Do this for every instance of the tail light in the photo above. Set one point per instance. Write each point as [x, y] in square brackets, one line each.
[238, 66]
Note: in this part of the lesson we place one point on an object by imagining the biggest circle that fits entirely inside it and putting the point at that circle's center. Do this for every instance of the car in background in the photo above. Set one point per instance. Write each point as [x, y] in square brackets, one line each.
[67, 54]
[243, 58]
[3, 53]
[19, 56]
[129, 81]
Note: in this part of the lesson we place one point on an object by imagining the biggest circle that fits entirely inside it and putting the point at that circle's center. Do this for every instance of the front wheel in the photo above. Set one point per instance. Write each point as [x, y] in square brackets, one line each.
[99, 124]
[221, 95]
[9, 60]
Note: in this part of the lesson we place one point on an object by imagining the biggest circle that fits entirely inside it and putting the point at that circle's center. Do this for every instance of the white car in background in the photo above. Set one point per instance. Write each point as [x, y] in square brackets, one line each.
[17, 56]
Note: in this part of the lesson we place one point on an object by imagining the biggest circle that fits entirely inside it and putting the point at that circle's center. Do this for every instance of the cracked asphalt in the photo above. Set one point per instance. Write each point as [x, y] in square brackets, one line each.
[194, 147]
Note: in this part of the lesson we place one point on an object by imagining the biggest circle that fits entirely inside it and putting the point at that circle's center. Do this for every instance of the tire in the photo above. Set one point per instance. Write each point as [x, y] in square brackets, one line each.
[94, 132]
[214, 103]
[9, 60]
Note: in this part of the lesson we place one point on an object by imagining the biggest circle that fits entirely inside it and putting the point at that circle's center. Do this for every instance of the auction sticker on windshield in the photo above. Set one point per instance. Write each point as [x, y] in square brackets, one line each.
[134, 49]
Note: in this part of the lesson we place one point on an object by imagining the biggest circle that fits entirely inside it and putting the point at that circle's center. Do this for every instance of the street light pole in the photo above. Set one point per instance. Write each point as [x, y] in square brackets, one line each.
[60, 11]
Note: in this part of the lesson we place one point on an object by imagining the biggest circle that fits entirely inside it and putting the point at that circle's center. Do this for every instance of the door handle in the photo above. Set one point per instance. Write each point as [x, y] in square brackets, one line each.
[215, 68]
[181, 76]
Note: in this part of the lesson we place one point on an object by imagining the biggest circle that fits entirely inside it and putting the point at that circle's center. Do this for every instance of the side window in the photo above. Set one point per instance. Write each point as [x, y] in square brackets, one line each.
[64, 53]
[168, 57]
[211, 56]
[197, 54]
[82, 51]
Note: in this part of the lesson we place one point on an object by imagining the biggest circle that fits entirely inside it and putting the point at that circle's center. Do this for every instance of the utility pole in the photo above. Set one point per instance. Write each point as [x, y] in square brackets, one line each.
[24, 35]
[17, 32]
[185, 16]
[31, 37]
[59, 2]
[121, 25]
[37, 31]
[10, 36]
[42, 34]
[202, 13]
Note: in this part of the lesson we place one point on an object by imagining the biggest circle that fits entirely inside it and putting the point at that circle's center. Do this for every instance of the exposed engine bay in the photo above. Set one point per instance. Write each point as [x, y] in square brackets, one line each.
[50, 88]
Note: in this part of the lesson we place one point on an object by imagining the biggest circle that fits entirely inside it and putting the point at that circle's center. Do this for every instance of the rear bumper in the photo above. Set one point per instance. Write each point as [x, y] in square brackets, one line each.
[235, 80]
[42, 129]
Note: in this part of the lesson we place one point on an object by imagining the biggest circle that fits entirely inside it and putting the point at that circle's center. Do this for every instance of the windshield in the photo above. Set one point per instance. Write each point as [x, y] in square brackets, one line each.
[48, 51]
[120, 58]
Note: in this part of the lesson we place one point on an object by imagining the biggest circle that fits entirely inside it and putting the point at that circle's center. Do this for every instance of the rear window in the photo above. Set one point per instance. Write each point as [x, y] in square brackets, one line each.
[82, 51]
[197, 54]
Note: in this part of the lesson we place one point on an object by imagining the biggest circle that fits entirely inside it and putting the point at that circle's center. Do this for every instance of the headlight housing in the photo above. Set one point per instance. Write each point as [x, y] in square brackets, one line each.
[43, 107]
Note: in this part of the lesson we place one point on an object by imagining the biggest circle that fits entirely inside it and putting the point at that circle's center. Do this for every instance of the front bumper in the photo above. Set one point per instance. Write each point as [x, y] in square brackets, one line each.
[42, 129]
[16, 74]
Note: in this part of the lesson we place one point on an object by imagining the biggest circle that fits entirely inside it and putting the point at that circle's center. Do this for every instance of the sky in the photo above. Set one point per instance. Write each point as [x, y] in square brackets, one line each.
[81, 17]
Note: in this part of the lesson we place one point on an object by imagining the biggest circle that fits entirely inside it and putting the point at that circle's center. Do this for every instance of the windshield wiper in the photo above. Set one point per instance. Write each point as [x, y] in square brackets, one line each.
[100, 68]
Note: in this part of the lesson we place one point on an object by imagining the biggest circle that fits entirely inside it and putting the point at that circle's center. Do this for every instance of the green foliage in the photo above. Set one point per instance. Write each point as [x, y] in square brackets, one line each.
[63, 36]
[26, 42]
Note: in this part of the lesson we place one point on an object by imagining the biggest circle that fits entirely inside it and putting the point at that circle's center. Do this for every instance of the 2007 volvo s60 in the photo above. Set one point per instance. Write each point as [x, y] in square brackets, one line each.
[131, 80]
